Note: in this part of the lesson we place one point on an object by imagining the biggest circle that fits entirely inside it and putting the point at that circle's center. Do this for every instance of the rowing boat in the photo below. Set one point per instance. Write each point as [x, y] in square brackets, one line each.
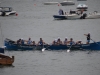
[12, 46]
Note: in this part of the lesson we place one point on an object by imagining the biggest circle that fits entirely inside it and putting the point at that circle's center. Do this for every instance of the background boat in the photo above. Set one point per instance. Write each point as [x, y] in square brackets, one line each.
[64, 3]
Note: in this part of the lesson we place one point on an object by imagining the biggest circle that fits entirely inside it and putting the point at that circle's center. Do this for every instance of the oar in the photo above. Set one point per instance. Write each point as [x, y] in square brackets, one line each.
[69, 48]
[95, 42]
[43, 49]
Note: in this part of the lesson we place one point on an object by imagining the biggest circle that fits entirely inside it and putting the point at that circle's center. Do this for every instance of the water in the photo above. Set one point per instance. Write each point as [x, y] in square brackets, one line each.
[35, 20]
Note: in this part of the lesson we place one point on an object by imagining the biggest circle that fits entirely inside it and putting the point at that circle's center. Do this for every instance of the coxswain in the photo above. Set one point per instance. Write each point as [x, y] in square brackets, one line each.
[88, 38]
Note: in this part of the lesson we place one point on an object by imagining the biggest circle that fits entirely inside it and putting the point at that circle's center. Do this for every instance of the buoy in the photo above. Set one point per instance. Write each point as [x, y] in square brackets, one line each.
[34, 4]
[16, 14]
[58, 4]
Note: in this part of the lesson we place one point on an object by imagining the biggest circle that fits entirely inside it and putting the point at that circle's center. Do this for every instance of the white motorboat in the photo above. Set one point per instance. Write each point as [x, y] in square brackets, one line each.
[64, 3]
[50, 3]
[93, 15]
[6, 11]
[82, 6]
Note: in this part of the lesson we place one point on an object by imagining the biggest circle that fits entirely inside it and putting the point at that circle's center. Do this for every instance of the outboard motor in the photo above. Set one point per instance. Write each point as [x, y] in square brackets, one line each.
[3, 13]
[83, 16]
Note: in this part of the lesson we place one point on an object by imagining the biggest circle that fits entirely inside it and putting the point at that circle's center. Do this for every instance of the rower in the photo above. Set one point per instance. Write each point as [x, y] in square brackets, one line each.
[65, 41]
[71, 42]
[29, 42]
[54, 42]
[22, 41]
[88, 38]
[41, 42]
[59, 42]
[79, 42]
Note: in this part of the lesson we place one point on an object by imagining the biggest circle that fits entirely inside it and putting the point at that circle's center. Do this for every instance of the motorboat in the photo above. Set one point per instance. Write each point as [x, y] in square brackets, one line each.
[6, 11]
[94, 15]
[82, 6]
[70, 15]
[64, 3]
[50, 3]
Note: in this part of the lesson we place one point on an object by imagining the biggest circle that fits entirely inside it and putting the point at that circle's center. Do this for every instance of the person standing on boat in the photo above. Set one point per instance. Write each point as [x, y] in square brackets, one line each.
[41, 42]
[61, 12]
[88, 38]
[29, 42]
[65, 41]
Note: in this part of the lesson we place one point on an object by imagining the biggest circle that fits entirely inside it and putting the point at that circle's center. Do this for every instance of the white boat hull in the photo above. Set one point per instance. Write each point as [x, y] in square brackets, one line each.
[93, 16]
[67, 3]
[50, 3]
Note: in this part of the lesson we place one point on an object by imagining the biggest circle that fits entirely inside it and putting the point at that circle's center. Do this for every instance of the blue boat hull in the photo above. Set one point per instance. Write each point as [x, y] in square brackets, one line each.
[91, 46]
[62, 17]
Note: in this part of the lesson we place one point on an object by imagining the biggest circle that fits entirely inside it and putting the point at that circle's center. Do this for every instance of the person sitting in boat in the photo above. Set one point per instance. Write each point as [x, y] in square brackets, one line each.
[59, 42]
[29, 42]
[33, 43]
[19, 41]
[88, 38]
[54, 42]
[79, 42]
[41, 42]
[65, 41]
[71, 42]
[22, 41]
[61, 12]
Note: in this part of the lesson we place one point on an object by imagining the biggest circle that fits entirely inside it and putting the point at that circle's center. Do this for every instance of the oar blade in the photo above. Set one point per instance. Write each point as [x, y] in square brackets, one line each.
[43, 49]
[68, 50]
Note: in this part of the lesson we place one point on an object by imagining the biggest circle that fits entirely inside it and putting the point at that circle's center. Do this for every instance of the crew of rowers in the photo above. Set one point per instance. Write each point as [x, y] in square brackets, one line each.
[55, 42]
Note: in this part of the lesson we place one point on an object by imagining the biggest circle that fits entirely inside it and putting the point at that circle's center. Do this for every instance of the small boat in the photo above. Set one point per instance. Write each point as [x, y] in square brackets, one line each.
[64, 3]
[50, 3]
[68, 17]
[6, 60]
[6, 11]
[11, 46]
[82, 6]
[94, 15]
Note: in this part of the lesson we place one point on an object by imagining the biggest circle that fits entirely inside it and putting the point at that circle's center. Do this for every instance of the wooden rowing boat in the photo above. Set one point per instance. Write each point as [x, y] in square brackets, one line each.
[11, 46]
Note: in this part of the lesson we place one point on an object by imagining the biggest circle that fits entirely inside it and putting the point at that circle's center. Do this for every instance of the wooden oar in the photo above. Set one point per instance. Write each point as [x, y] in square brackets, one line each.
[69, 48]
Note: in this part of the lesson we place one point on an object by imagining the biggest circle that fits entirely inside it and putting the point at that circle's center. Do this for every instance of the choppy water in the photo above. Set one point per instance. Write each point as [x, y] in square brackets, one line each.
[35, 20]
